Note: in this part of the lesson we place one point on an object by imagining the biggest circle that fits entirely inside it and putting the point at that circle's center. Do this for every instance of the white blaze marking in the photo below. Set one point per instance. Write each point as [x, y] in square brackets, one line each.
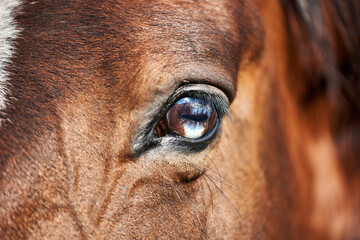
[8, 33]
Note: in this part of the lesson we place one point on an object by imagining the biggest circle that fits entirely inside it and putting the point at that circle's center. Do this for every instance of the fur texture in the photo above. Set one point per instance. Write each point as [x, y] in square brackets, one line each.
[88, 75]
[8, 32]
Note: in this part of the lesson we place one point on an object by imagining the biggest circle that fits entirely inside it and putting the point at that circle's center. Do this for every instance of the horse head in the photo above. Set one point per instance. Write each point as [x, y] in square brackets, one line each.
[222, 119]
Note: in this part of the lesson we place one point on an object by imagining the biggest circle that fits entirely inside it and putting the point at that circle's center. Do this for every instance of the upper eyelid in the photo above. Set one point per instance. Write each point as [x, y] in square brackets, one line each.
[144, 139]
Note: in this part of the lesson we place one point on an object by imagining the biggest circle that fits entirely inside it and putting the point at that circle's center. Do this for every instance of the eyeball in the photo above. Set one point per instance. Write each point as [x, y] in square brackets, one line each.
[189, 117]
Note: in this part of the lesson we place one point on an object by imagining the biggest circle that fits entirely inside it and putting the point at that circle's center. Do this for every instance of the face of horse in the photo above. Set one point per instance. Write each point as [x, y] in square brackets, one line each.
[117, 126]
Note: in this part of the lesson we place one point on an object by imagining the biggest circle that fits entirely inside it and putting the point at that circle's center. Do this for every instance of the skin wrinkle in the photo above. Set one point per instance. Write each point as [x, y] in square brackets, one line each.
[219, 189]
[190, 203]
[235, 211]
[70, 207]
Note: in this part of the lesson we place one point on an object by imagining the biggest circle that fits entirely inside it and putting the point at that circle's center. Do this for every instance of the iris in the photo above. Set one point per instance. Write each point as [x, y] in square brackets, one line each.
[189, 118]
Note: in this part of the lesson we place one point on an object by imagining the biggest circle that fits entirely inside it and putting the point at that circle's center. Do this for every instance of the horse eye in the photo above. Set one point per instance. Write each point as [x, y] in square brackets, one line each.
[188, 118]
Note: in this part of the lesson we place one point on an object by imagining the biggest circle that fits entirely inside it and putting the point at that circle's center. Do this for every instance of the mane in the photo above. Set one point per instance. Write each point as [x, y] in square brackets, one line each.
[8, 33]
[325, 38]
[324, 81]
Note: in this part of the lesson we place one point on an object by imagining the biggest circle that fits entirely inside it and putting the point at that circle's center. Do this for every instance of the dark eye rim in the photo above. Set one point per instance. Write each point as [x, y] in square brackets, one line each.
[148, 137]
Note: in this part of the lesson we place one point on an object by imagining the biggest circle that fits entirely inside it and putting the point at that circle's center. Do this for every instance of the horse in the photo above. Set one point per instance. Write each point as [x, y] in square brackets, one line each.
[179, 119]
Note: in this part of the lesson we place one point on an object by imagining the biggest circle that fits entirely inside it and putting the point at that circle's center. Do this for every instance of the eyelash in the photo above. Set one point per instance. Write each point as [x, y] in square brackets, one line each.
[219, 103]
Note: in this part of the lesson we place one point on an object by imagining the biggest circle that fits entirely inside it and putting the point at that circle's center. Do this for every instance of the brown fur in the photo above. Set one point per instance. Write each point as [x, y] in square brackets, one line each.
[88, 75]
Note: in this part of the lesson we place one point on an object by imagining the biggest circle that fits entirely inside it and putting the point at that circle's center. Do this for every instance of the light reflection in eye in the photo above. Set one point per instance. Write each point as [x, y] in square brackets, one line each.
[189, 118]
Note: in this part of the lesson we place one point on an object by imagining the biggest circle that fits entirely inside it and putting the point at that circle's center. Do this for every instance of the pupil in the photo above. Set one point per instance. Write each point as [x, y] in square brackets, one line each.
[196, 118]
